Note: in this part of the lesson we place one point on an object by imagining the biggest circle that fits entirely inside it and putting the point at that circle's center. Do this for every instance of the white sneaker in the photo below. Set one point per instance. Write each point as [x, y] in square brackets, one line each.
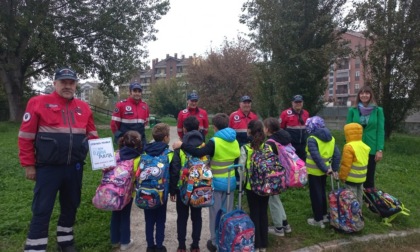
[287, 228]
[124, 247]
[325, 219]
[313, 222]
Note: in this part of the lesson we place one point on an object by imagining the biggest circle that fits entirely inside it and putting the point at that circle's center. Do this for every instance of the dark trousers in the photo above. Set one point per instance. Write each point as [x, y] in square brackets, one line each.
[182, 220]
[258, 213]
[155, 217]
[300, 150]
[318, 195]
[370, 176]
[120, 225]
[49, 180]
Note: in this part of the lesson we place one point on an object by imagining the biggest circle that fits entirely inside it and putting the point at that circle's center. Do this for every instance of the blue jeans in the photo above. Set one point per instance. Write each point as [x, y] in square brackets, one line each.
[120, 225]
[155, 217]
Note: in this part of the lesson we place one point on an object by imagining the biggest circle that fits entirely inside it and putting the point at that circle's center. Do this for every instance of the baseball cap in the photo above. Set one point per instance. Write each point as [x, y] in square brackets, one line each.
[135, 85]
[246, 98]
[193, 96]
[297, 98]
[65, 73]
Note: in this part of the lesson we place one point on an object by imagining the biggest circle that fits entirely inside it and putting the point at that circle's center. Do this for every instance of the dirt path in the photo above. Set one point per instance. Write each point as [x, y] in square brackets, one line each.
[171, 243]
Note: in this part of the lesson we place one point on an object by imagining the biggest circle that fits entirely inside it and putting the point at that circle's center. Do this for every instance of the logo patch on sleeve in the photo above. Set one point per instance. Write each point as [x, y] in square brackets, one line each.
[26, 117]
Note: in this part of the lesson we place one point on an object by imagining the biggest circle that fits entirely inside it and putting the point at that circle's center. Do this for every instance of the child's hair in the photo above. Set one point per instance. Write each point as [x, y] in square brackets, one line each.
[191, 123]
[272, 124]
[256, 129]
[131, 139]
[220, 121]
[160, 131]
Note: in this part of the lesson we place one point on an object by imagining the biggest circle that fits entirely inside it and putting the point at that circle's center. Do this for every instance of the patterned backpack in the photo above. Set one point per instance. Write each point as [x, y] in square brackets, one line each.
[268, 176]
[296, 173]
[152, 181]
[196, 182]
[116, 187]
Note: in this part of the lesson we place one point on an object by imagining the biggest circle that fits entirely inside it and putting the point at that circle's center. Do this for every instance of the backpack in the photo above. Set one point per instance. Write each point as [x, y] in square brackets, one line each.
[345, 211]
[296, 174]
[152, 181]
[196, 187]
[116, 187]
[268, 176]
[384, 204]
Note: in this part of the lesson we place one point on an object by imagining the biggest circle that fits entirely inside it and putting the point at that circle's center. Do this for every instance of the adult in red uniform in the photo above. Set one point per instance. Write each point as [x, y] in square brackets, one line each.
[238, 120]
[131, 114]
[193, 110]
[293, 121]
[52, 148]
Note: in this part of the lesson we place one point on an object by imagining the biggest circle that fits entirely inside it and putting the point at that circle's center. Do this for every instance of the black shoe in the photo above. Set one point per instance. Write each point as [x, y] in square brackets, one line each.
[151, 249]
[211, 247]
[160, 249]
[70, 248]
[194, 248]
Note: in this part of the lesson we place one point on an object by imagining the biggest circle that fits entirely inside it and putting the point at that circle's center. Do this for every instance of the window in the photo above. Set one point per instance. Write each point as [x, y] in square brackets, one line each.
[357, 75]
[356, 87]
[342, 77]
[357, 63]
[343, 64]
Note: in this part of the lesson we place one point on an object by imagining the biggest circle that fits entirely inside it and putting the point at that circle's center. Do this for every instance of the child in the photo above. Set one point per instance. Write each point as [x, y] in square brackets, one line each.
[273, 131]
[323, 158]
[130, 147]
[152, 217]
[223, 149]
[257, 204]
[354, 160]
[194, 137]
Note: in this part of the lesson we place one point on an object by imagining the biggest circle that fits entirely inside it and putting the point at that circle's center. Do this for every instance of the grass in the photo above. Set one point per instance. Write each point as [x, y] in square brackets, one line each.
[396, 173]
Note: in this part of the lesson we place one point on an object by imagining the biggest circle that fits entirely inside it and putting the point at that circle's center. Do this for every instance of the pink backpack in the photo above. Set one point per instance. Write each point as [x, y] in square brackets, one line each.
[116, 188]
[296, 174]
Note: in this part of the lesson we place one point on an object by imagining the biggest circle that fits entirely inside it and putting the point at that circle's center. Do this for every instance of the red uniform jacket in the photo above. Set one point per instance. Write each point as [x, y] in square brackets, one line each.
[239, 122]
[199, 113]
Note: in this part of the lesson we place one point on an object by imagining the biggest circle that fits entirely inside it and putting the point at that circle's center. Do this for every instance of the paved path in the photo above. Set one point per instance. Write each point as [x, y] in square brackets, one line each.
[171, 242]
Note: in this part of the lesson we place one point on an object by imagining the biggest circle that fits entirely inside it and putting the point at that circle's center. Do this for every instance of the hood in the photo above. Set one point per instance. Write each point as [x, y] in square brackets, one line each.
[155, 148]
[323, 133]
[353, 132]
[127, 153]
[195, 138]
[227, 134]
[283, 137]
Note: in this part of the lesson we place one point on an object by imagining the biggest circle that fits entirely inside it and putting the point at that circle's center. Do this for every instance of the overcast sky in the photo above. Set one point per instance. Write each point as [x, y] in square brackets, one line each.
[195, 26]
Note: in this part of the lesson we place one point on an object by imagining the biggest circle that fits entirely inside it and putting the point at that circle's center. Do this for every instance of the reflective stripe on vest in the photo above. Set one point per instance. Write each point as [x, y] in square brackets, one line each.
[326, 151]
[357, 173]
[225, 154]
[248, 152]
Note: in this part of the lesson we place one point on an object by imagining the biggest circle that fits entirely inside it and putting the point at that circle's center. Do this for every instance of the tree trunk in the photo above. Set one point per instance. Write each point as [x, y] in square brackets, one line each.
[13, 80]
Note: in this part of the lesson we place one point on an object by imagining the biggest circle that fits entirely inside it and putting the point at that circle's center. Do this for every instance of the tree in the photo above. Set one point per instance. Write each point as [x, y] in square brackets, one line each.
[300, 39]
[168, 97]
[224, 76]
[105, 38]
[393, 58]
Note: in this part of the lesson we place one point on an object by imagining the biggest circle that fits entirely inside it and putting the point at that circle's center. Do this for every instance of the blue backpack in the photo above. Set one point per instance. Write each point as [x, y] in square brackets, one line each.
[152, 181]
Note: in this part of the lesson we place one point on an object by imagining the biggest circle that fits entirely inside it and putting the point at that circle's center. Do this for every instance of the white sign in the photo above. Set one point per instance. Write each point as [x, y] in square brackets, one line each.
[101, 153]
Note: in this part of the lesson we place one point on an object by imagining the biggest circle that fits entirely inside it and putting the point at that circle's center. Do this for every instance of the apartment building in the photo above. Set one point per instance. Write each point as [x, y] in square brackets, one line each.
[347, 76]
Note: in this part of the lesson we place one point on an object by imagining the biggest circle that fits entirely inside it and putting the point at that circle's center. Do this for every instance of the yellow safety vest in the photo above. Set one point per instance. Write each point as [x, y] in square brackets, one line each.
[326, 151]
[358, 169]
[225, 154]
[248, 151]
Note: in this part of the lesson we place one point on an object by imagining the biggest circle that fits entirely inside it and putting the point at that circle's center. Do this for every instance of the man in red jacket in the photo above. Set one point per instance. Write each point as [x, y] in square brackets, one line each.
[293, 121]
[193, 110]
[238, 120]
[52, 148]
[131, 114]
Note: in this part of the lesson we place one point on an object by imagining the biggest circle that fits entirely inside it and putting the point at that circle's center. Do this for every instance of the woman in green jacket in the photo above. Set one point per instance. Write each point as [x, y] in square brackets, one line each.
[371, 117]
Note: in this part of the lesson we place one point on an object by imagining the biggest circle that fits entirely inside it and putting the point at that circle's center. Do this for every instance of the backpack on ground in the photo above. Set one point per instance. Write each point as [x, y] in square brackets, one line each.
[268, 176]
[345, 210]
[296, 173]
[384, 204]
[116, 187]
[196, 187]
[152, 181]
[235, 230]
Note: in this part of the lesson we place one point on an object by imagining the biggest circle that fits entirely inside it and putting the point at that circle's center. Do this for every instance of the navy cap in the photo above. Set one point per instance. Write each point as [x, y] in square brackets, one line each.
[246, 98]
[65, 73]
[297, 98]
[135, 85]
[193, 96]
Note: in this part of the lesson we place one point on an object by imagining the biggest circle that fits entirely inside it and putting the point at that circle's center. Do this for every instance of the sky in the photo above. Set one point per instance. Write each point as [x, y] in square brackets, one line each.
[195, 26]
